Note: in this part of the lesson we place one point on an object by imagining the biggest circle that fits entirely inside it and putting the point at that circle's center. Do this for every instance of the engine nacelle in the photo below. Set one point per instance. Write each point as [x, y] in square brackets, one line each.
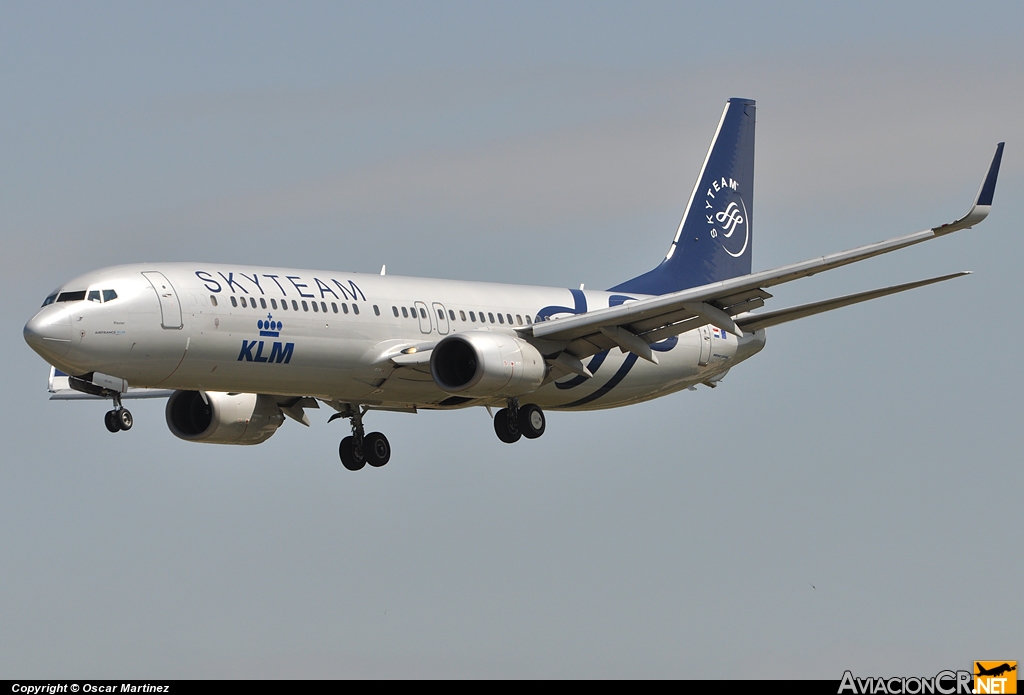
[484, 363]
[223, 418]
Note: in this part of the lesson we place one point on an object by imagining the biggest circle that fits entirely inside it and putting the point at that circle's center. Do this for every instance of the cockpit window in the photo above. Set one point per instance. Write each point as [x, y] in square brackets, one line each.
[97, 296]
[50, 300]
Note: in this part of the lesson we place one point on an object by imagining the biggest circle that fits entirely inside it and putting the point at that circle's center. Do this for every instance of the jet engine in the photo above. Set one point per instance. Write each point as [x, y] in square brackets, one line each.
[222, 418]
[484, 363]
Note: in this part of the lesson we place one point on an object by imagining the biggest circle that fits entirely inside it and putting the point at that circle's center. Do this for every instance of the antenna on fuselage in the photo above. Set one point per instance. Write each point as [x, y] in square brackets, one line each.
[383, 268]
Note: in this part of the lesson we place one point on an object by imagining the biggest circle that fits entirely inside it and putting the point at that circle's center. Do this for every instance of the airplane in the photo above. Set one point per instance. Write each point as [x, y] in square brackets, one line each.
[236, 349]
[995, 671]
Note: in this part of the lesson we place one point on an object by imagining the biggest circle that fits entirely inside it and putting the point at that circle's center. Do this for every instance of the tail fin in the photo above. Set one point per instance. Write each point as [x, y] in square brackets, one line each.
[713, 241]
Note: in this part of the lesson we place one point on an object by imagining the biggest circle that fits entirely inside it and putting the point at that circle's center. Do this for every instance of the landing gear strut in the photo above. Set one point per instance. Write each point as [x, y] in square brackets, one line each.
[517, 421]
[120, 418]
[361, 448]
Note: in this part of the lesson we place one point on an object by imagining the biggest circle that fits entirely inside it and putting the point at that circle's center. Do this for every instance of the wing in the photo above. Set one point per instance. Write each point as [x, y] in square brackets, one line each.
[64, 387]
[635, 325]
[61, 389]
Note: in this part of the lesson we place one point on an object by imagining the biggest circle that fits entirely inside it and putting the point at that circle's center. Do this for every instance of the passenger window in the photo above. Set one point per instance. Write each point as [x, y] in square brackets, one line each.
[244, 305]
[344, 307]
[509, 317]
[273, 303]
[355, 308]
[451, 315]
[94, 296]
[405, 312]
[315, 308]
[376, 310]
[472, 316]
[284, 304]
[501, 319]
[528, 322]
[490, 316]
[462, 314]
[412, 311]
[440, 313]
[295, 305]
[519, 319]
[305, 307]
[323, 306]
[263, 303]
[213, 300]
[234, 302]
[395, 309]
[334, 306]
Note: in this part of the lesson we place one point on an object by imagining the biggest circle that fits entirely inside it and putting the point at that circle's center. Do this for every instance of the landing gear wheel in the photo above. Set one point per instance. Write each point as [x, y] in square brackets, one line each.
[506, 426]
[531, 421]
[377, 449]
[352, 457]
[124, 419]
[110, 420]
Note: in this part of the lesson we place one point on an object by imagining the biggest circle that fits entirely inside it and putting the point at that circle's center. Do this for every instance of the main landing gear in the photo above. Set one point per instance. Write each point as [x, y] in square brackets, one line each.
[120, 418]
[517, 421]
[361, 449]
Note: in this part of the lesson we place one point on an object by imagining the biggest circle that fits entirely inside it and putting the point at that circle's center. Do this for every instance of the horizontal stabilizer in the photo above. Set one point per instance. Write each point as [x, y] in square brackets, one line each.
[755, 322]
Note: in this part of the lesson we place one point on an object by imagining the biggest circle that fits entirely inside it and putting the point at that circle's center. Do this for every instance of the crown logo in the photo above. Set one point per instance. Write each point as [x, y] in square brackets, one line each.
[270, 327]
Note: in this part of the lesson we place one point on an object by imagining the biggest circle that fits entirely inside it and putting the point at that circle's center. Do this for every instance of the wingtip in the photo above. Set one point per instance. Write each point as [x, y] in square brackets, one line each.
[983, 203]
[988, 188]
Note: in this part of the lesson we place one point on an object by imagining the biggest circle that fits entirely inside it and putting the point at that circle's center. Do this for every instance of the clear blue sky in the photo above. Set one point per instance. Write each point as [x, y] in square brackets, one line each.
[873, 452]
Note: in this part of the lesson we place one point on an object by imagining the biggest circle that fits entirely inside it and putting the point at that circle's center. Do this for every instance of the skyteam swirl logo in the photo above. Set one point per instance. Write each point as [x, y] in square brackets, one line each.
[727, 216]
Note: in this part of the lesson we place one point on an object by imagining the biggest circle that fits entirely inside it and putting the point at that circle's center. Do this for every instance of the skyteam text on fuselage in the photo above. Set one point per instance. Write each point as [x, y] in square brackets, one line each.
[235, 349]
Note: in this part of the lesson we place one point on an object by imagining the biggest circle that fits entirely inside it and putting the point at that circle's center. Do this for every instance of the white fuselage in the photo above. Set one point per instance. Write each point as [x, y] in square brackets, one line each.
[332, 335]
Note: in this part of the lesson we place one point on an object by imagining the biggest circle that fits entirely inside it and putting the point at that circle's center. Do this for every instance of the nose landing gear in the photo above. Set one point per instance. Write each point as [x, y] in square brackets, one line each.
[120, 418]
[361, 449]
[514, 422]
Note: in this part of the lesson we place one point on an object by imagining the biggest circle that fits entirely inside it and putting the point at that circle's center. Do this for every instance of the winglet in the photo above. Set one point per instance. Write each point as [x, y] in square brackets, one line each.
[988, 189]
[983, 203]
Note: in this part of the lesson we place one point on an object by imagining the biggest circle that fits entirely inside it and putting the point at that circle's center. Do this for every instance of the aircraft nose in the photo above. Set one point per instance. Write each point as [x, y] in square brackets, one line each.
[49, 332]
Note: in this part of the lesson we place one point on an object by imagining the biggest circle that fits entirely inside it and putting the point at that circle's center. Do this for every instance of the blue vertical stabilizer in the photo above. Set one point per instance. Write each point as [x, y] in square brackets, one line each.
[714, 238]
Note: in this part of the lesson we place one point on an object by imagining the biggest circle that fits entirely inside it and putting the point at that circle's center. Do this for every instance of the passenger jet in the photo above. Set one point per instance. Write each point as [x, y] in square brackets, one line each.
[235, 348]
